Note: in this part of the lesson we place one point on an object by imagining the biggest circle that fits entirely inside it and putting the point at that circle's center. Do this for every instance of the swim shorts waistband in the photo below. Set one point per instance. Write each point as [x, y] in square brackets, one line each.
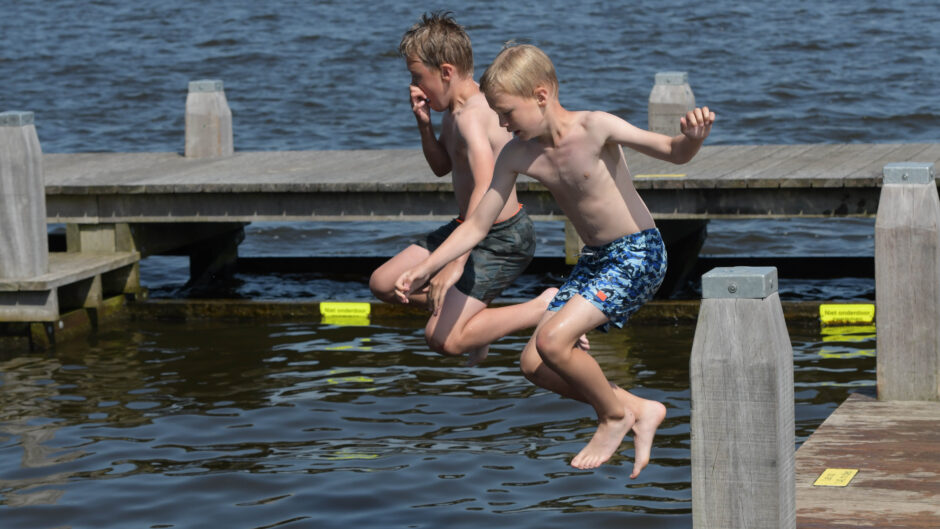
[633, 237]
[460, 219]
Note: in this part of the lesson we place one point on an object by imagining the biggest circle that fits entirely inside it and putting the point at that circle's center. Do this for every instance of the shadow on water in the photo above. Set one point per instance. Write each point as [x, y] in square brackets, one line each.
[290, 424]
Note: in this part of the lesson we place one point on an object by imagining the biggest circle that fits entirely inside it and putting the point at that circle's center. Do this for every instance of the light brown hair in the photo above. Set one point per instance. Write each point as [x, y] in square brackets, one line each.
[518, 70]
[438, 39]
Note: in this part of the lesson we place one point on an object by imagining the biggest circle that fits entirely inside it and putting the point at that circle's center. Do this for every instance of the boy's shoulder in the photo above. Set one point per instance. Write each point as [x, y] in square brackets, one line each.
[476, 117]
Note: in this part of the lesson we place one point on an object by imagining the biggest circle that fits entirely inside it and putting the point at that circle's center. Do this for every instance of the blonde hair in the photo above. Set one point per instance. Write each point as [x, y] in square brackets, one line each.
[438, 39]
[518, 70]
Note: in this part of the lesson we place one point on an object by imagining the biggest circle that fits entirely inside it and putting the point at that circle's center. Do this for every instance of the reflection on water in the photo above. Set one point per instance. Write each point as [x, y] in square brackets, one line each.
[302, 425]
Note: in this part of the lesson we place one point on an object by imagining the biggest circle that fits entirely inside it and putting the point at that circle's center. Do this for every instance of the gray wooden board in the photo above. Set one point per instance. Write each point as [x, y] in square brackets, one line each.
[725, 169]
[66, 268]
[895, 446]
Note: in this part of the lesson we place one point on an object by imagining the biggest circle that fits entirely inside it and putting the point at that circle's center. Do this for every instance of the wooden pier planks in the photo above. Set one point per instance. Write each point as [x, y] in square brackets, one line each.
[722, 181]
[895, 445]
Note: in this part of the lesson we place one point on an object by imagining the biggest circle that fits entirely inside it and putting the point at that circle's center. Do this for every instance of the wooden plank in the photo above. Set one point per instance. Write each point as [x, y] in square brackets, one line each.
[65, 268]
[802, 159]
[742, 176]
[896, 448]
[831, 160]
[907, 152]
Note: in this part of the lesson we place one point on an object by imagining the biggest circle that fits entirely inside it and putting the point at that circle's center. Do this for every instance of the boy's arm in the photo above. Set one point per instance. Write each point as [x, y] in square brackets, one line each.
[480, 163]
[695, 127]
[434, 151]
[467, 235]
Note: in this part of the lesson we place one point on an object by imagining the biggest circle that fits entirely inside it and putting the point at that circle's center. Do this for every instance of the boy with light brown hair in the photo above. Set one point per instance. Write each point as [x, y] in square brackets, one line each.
[439, 56]
[578, 157]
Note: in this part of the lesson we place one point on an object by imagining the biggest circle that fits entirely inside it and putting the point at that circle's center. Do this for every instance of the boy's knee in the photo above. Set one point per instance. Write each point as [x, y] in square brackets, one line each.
[550, 348]
[445, 346]
[380, 287]
[529, 364]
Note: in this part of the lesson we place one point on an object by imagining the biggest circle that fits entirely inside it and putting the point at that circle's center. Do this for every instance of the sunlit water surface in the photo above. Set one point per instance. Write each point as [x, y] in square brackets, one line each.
[158, 424]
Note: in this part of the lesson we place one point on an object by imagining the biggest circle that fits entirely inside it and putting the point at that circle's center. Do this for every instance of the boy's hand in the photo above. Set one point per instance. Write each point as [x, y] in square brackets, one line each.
[409, 281]
[441, 283]
[420, 106]
[697, 124]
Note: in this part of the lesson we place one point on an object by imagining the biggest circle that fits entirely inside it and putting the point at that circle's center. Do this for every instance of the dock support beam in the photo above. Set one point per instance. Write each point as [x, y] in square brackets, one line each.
[24, 251]
[742, 426]
[208, 121]
[907, 283]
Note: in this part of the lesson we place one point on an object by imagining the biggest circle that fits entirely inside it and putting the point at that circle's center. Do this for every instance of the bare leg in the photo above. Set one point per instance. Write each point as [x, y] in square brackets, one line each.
[556, 342]
[466, 326]
[647, 413]
[382, 281]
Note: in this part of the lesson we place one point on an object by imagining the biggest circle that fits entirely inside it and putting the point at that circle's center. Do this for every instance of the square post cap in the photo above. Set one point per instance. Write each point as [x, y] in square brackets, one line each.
[672, 78]
[909, 173]
[16, 118]
[206, 85]
[739, 282]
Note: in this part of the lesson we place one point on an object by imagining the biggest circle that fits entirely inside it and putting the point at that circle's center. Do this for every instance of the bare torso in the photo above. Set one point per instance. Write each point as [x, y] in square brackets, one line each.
[589, 180]
[453, 140]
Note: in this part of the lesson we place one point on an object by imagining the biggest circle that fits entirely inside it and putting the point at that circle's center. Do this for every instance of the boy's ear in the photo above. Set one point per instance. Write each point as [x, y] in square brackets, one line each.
[447, 71]
[541, 94]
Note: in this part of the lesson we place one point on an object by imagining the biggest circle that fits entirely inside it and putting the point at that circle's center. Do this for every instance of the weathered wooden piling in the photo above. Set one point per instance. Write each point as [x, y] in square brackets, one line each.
[742, 424]
[208, 121]
[23, 248]
[669, 100]
[907, 283]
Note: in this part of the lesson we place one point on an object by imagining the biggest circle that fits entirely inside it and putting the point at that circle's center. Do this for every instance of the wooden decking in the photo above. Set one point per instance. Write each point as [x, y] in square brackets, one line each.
[722, 181]
[74, 280]
[895, 446]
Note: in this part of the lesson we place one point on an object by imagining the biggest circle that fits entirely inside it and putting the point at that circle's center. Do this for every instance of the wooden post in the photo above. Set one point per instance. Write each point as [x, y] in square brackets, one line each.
[907, 283]
[669, 100]
[208, 121]
[742, 427]
[24, 251]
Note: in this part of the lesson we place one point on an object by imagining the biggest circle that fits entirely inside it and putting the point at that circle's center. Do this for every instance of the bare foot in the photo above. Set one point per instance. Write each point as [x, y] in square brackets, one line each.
[477, 355]
[604, 443]
[648, 420]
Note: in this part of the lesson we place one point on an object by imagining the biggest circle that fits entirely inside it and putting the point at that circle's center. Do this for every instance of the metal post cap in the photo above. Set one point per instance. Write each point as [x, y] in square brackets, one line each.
[16, 118]
[909, 173]
[739, 282]
[205, 85]
[672, 78]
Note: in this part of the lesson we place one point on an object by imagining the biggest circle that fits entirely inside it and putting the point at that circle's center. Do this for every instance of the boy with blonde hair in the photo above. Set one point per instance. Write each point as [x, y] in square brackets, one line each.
[578, 157]
[439, 57]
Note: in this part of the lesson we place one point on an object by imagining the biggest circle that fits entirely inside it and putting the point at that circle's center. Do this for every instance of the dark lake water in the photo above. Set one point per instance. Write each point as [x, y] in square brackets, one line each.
[293, 424]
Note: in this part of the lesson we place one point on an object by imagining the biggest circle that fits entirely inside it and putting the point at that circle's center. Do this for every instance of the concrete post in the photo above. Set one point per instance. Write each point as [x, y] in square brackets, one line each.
[907, 283]
[208, 121]
[24, 251]
[742, 427]
[669, 100]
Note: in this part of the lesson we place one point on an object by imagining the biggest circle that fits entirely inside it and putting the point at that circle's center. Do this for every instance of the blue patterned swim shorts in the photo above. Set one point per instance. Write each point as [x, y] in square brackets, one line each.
[618, 277]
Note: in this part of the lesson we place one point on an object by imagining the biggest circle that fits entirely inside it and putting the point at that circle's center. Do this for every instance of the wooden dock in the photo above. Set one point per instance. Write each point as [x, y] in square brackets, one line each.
[721, 182]
[894, 445]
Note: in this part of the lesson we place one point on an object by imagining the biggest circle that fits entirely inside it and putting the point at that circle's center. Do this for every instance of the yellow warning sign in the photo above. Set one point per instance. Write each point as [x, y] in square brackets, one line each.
[835, 477]
[345, 312]
[847, 313]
